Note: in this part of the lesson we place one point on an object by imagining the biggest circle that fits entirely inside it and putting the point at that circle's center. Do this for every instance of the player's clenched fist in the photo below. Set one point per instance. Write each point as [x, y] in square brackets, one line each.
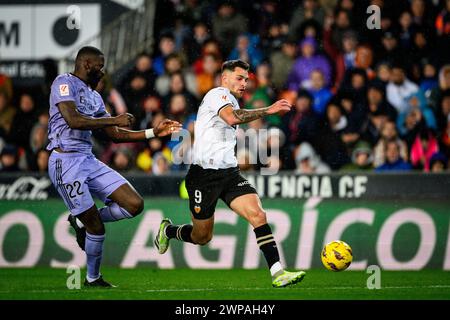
[281, 106]
[124, 120]
[166, 127]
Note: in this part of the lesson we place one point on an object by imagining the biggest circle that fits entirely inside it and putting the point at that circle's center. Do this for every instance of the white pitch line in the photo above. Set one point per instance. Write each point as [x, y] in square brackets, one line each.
[301, 288]
[233, 289]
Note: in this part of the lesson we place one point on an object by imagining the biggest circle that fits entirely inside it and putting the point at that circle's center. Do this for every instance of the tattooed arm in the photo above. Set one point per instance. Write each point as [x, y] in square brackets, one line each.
[232, 117]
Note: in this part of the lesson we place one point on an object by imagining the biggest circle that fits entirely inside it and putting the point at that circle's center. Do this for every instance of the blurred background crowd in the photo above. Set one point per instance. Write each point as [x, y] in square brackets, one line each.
[363, 99]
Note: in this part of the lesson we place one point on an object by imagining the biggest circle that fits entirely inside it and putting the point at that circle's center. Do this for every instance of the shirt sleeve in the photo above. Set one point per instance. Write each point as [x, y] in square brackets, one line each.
[63, 90]
[101, 112]
[219, 99]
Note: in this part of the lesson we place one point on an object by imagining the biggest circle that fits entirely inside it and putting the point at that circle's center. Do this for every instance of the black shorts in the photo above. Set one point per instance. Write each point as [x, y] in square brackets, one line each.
[206, 186]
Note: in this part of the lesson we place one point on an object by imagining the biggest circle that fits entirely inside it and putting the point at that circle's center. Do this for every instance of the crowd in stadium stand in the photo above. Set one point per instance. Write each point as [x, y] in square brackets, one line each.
[363, 99]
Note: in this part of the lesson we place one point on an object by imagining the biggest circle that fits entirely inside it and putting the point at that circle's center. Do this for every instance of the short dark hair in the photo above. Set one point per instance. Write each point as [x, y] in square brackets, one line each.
[233, 64]
[88, 51]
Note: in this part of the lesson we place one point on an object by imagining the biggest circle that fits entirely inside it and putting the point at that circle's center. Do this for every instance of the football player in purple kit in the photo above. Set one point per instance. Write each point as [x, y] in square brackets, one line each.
[76, 109]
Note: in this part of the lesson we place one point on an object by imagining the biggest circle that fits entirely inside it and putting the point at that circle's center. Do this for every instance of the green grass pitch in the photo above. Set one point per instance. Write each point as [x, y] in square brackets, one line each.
[185, 284]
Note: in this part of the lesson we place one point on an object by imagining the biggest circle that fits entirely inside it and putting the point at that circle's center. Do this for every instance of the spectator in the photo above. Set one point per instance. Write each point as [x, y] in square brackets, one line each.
[443, 113]
[37, 141]
[199, 38]
[442, 23]
[438, 162]
[424, 146]
[301, 124]
[227, 24]
[410, 125]
[364, 60]
[42, 156]
[344, 59]
[330, 145]
[309, 9]
[122, 159]
[161, 165]
[151, 106]
[349, 45]
[355, 84]
[320, 93]
[272, 40]
[399, 88]
[7, 113]
[178, 86]
[406, 30]
[174, 64]
[113, 99]
[246, 49]
[143, 67]
[23, 122]
[210, 47]
[390, 50]
[362, 158]
[6, 86]
[428, 81]
[388, 133]
[393, 161]
[444, 84]
[282, 62]
[341, 26]
[268, 20]
[308, 161]
[377, 101]
[444, 140]
[9, 159]
[417, 101]
[205, 79]
[383, 74]
[420, 16]
[166, 47]
[305, 64]
[355, 113]
[422, 46]
[145, 157]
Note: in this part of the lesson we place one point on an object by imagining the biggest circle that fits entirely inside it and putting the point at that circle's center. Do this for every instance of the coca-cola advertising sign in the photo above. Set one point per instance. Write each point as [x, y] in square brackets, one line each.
[25, 188]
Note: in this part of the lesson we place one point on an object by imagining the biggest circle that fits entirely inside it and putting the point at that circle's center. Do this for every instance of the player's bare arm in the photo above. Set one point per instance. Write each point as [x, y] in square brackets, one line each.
[164, 128]
[76, 120]
[233, 117]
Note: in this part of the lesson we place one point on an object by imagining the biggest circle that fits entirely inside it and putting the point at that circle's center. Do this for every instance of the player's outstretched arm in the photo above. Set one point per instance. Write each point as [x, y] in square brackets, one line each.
[164, 128]
[232, 117]
[76, 120]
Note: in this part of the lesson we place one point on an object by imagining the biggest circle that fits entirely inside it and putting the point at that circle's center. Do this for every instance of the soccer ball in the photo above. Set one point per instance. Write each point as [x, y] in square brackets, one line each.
[336, 255]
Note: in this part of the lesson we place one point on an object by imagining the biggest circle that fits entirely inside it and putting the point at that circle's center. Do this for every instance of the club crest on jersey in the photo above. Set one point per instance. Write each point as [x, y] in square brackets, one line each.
[225, 98]
[197, 209]
[64, 90]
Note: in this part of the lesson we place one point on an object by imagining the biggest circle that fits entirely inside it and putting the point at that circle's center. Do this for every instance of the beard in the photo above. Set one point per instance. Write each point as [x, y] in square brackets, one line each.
[94, 78]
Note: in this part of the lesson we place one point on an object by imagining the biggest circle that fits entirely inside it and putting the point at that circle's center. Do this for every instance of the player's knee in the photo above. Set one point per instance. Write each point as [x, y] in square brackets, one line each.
[135, 205]
[258, 217]
[203, 239]
[96, 228]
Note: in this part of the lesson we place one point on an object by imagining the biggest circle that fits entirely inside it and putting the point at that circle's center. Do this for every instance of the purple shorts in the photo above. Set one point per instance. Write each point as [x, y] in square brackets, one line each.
[78, 176]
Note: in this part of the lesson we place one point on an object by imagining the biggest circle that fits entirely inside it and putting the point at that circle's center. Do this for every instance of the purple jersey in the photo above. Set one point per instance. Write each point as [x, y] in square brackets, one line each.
[68, 87]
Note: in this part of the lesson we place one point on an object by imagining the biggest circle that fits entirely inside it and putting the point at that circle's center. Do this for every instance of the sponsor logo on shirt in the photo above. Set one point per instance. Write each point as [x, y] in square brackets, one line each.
[64, 90]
